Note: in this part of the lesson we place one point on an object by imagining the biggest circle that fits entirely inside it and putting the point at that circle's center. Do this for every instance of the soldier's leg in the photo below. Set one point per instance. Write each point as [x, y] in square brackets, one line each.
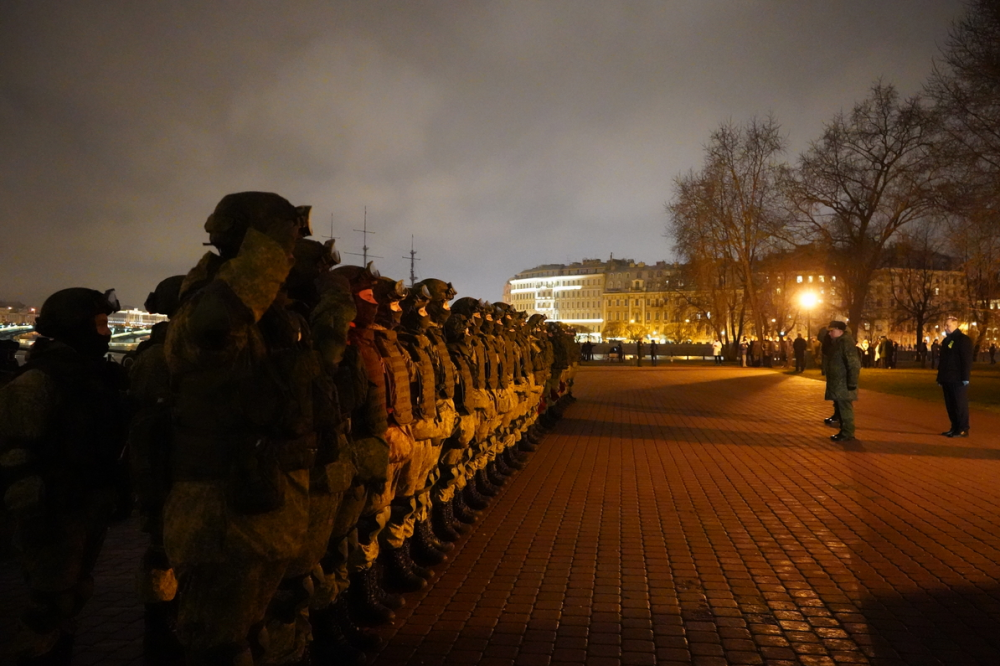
[305, 584]
[57, 554]
[846, 410]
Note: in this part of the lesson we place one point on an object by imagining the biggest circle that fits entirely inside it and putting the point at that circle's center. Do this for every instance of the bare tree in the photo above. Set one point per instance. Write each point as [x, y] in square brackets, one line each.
[914, 266]
[871, 173]
[965, 87]
[726, 217]
[975, 240]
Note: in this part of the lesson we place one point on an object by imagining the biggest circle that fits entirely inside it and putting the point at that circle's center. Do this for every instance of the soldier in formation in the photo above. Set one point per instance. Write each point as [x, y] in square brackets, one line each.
[306, 442]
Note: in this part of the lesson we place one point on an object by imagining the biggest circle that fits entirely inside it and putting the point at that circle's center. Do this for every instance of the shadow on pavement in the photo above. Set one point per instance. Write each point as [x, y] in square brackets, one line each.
[948, 626]
[776, 438]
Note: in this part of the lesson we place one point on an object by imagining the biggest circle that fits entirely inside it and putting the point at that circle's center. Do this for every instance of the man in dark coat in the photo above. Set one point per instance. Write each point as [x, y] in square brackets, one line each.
[843, 368]
[799, 347]
[954, 368]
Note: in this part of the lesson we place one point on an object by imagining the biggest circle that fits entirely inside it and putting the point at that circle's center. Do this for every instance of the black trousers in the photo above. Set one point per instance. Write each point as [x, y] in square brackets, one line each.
[800, 362]
[956, 401]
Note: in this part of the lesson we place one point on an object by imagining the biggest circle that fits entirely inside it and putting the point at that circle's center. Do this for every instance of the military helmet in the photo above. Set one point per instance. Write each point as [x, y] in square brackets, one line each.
[536, 320]
[236, 213]
[67, 312]
[166, 298]
[359, 277]
[467, 306]
[439, 289]
[313, 253]
[387, 290]
[69, 316]
[417, 297]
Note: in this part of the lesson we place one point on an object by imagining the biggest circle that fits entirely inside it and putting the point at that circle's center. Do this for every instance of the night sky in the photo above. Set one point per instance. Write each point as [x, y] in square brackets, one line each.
[501, 135]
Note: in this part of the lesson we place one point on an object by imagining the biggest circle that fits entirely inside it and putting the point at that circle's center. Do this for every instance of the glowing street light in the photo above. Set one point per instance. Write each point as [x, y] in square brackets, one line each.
[808, 300]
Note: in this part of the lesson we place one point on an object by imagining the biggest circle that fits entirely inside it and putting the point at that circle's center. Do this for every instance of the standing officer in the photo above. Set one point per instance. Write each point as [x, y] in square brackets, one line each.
[843, 368]
[62, 435]
[954, 368]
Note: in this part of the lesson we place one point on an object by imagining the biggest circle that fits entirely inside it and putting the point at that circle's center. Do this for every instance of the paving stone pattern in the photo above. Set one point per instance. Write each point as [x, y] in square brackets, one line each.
[683, 515]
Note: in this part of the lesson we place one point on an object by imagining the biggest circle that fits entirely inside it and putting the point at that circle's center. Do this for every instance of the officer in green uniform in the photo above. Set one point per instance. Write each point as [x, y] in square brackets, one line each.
[63, 427]
[843, 369]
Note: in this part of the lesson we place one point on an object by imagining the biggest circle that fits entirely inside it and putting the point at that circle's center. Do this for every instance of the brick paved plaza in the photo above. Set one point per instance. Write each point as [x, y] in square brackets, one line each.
[699, 515]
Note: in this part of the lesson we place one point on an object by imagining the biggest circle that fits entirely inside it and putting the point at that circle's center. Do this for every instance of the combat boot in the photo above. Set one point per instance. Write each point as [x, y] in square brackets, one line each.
[428, 528]
[461, 511]
[422, 571]
[443, 520]
[494, 475]
[528, 443]
[422, 546]
[362, 596]
[390, 600]
[512, 460]
[159, 640]
[398, 574]
[471, 496]
[61, 654]
[361, 638]
[484, 485]
[330, 642]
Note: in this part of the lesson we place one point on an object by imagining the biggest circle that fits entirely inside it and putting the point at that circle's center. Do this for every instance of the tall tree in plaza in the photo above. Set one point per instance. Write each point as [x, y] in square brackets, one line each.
[728, 215]
[873, 171]
[914, 268]
[716, 298]
[965, 87]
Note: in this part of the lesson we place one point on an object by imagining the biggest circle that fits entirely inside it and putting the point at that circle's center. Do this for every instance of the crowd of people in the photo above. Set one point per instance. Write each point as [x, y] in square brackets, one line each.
[302, 442]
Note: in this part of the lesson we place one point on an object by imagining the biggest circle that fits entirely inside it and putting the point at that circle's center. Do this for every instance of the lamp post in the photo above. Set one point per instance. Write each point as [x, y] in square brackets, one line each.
[808, 300]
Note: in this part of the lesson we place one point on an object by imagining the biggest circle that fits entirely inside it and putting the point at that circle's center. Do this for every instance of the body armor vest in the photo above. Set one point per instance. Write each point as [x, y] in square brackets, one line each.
[444, 368]
[463, 375]
[397, 376]
[423, 391]
[478, 361]
[363, 340]
[494, 372]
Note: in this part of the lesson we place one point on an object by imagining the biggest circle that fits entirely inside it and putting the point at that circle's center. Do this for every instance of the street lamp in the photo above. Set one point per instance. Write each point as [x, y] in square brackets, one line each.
[808, 300]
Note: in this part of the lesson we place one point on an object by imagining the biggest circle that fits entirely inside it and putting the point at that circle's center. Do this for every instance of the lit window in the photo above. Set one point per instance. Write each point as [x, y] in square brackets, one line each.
[799, 280]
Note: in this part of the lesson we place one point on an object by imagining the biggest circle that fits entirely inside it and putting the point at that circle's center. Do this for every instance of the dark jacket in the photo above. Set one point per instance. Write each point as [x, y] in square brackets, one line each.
[843, 369]
[956, 358]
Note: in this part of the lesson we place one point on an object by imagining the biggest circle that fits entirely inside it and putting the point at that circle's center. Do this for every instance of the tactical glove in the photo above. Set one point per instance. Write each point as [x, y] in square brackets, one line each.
[25, 499]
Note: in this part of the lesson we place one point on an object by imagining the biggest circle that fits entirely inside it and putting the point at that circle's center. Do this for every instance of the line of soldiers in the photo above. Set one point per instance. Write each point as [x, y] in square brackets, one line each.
[304, 441]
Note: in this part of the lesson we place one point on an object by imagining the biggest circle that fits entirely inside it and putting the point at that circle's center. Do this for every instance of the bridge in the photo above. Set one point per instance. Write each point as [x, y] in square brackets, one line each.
[690, 514]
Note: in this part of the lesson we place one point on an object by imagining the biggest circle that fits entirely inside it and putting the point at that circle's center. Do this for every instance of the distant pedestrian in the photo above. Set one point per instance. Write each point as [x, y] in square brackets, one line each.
[654, 349]
[935, 353]
[717, 352]
[744, 348]
[799, 347]
[954, 369]
[842, 372]
[638, 353]
[993, 354]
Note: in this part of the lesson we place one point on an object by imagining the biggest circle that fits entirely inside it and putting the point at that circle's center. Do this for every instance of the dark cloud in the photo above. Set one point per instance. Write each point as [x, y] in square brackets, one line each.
[500, 135]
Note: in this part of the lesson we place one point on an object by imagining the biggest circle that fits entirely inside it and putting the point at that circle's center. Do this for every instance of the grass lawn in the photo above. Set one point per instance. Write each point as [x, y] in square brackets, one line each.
[984, 387]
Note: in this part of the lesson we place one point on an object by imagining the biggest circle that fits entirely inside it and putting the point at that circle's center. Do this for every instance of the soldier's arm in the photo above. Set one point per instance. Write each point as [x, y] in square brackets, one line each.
[27, 411]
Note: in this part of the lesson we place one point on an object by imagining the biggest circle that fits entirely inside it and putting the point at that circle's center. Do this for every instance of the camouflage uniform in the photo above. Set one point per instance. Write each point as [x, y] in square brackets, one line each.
[62, 434]
[238, 508]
